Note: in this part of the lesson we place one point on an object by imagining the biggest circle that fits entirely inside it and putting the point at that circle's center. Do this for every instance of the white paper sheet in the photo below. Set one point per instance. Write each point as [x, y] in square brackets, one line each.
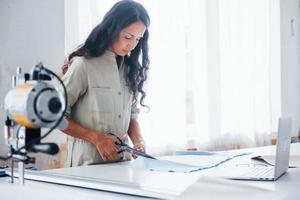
[120, 178]
[181, 163]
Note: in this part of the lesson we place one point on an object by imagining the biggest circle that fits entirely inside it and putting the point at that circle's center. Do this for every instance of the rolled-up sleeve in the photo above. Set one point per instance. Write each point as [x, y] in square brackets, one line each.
[134, 110]
[75, 81]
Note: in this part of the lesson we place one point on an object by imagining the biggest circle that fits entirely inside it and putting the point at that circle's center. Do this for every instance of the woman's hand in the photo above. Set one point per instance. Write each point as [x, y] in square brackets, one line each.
[106, 146]
[139, 147]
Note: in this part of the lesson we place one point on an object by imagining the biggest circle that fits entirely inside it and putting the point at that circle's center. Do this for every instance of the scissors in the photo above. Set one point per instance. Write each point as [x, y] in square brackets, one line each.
[125, 147]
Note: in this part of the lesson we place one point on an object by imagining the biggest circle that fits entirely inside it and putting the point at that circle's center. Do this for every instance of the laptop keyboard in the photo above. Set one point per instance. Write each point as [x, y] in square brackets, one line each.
[260, 172]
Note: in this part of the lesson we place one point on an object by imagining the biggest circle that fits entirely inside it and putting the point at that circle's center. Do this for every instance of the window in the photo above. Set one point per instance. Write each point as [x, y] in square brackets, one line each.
[212, 83]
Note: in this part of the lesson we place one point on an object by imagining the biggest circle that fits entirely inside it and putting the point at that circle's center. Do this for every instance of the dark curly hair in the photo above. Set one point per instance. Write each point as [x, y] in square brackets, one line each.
[121, 15]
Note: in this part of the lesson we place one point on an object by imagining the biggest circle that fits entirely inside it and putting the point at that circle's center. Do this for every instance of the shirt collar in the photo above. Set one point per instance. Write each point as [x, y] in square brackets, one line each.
[110, 54]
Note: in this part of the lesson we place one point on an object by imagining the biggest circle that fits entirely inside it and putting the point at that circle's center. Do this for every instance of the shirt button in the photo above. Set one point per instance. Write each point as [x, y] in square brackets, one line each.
[119, 93]
[119, 116]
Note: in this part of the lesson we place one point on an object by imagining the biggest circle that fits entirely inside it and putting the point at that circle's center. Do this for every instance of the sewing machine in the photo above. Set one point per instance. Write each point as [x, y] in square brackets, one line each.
[32, 103]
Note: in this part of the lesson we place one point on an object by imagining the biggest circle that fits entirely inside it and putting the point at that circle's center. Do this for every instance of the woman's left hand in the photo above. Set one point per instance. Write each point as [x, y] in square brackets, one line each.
[139, 147]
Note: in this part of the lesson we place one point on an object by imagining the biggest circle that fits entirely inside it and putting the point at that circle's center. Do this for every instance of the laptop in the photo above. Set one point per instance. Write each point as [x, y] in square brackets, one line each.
[267, 172]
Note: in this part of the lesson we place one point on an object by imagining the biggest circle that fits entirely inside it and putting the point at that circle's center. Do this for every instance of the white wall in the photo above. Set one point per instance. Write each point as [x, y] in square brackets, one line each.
[290, 65]
[30, 31]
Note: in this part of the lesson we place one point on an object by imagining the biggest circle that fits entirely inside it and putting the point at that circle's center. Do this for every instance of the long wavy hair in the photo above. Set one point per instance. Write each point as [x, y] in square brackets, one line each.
[121, 15]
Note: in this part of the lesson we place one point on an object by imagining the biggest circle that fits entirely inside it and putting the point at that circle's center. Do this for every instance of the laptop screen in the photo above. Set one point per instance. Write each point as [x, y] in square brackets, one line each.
[283, 146]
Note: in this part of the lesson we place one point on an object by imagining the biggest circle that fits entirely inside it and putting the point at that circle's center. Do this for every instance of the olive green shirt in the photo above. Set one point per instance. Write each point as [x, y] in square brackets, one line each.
[98, 99]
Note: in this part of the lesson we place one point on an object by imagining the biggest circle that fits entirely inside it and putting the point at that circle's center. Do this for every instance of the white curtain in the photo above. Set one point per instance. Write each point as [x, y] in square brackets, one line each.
[211, 85]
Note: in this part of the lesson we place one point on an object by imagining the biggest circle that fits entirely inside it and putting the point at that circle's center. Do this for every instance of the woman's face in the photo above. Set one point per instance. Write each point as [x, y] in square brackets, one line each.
[128, 39]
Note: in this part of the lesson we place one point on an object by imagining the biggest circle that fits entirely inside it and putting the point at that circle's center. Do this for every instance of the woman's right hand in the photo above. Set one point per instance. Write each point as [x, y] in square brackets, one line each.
[106, 146]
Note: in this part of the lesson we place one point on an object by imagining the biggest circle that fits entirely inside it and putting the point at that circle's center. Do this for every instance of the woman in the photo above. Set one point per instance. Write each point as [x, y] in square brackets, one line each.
[103, 83]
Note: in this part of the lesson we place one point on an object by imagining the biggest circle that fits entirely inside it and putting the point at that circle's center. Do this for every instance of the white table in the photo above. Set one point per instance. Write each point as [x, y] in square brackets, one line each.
[207, 184]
